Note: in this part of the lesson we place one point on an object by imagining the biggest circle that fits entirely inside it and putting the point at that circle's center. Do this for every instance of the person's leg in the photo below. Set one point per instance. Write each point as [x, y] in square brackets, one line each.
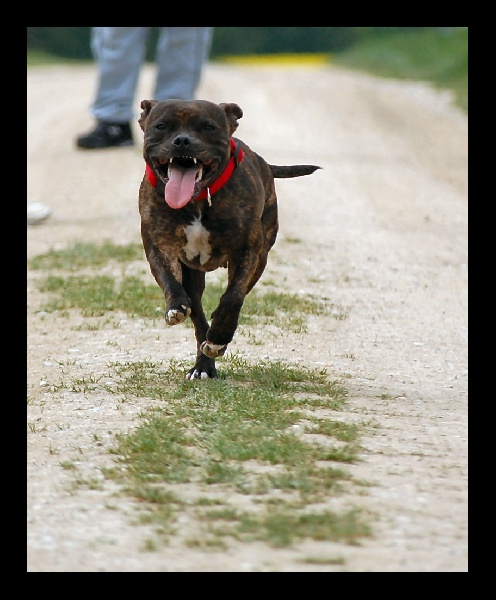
[119, 52]
[181, 54]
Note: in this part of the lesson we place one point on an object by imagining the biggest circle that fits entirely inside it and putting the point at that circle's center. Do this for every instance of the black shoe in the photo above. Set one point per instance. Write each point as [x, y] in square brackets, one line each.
[106, 135]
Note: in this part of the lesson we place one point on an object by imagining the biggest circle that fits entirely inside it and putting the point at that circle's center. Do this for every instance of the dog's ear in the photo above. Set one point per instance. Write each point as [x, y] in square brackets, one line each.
[233, 112]
[147, 106]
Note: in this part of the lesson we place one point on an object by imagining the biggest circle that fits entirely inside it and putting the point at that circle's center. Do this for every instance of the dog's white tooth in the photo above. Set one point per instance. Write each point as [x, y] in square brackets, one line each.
[195, 161]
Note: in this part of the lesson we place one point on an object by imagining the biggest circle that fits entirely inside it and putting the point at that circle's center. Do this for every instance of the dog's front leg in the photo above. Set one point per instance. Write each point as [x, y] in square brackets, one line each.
[168, 274]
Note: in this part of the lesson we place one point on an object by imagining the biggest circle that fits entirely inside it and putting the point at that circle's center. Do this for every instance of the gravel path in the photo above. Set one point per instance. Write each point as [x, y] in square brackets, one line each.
[382, 231]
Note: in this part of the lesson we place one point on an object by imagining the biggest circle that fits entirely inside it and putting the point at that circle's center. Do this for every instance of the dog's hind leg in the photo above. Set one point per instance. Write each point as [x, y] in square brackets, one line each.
[270, 225]
[225, 317]
[262, 263]
[194, 286]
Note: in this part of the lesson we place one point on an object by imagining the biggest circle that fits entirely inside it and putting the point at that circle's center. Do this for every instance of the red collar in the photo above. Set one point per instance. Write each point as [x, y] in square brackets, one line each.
[237, 156]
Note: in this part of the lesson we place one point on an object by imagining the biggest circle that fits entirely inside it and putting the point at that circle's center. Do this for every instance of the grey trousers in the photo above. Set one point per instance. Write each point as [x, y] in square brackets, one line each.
[119, 53]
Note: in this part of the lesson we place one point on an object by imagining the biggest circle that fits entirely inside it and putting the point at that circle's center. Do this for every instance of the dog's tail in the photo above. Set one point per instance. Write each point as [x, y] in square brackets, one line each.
[292, 170]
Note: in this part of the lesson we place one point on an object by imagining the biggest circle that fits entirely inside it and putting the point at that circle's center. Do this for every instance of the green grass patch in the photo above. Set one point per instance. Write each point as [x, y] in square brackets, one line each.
[252, 434]
[245, 433]
[96, 295]
[81, 255]
[441, 59]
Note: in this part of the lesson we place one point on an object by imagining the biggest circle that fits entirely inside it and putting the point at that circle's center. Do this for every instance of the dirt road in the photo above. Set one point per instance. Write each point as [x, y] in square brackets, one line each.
[382, 232]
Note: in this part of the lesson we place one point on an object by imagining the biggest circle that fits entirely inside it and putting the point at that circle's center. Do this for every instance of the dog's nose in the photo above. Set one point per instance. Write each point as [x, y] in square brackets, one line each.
[182, 141]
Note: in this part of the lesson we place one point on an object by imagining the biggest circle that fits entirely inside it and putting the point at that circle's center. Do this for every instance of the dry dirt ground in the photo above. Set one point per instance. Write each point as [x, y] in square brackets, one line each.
[382, 232]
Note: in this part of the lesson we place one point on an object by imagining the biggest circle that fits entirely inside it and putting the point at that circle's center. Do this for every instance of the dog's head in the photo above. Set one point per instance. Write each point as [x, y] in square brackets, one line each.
[187, 144]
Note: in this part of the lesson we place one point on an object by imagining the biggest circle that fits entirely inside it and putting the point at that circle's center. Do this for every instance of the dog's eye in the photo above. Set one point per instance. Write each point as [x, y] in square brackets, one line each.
[208, 127]
[160, 126]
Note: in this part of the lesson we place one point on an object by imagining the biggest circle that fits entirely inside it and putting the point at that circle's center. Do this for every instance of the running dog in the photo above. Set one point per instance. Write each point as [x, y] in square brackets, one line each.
[207, 200]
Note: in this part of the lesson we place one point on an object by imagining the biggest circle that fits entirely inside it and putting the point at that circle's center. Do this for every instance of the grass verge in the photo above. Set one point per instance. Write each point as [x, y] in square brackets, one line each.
[441, 59]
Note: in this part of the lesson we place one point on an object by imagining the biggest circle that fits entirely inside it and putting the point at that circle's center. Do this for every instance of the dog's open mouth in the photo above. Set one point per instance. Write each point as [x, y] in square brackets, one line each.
[183, 177]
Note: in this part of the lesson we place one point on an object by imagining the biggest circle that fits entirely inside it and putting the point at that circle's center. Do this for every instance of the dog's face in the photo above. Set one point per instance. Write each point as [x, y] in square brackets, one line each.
[187, 144]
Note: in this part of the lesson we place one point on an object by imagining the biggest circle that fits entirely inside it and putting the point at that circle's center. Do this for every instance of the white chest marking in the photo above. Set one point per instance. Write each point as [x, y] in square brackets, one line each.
[197, 242]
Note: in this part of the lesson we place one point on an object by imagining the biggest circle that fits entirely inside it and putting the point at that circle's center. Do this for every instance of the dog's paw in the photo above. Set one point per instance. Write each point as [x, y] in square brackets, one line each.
[199, 374]
[213, 350]
[204, 368]
[177, 315]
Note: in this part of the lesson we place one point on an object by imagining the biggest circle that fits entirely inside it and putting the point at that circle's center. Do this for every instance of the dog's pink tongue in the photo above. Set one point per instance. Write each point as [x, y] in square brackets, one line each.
[181, 185]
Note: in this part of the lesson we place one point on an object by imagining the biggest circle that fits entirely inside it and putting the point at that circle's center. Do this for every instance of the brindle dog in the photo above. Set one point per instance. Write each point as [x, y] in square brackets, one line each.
[207, 200]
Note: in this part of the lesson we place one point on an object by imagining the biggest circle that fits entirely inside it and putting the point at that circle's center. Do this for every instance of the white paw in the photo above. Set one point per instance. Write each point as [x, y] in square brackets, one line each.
[175, 316]
[197, 375]
[213, 350]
